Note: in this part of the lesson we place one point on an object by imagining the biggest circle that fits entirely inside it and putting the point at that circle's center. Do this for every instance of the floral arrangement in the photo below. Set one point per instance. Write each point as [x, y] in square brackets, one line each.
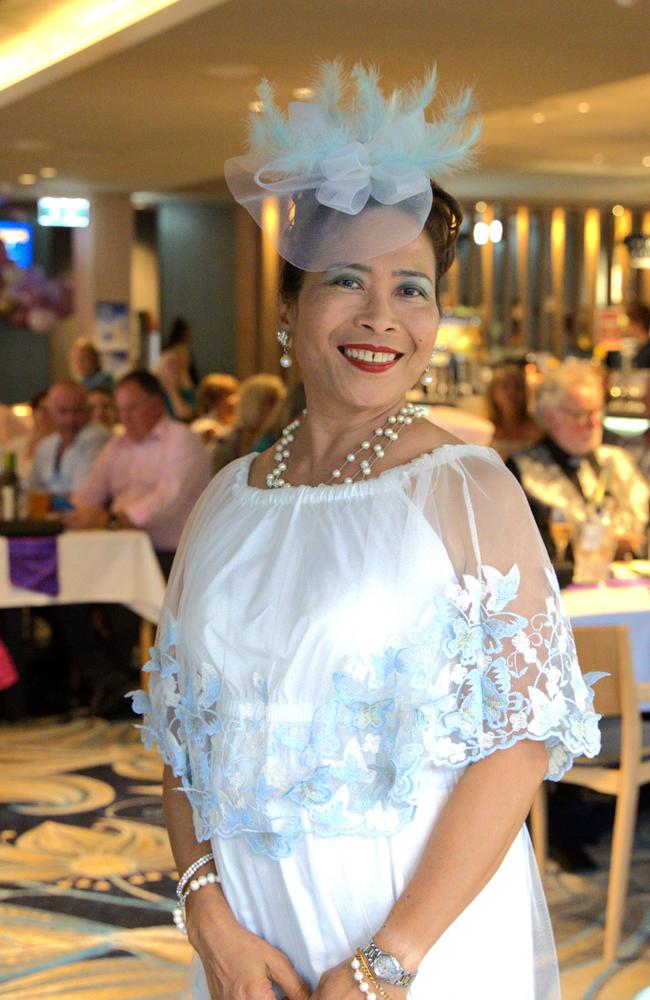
[28, 298]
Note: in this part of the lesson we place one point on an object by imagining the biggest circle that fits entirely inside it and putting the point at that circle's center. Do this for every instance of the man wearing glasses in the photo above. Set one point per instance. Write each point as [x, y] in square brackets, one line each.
[571, 467]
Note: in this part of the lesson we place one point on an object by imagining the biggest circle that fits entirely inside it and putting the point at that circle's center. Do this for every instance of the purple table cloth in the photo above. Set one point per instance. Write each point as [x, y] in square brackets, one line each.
[34, 564]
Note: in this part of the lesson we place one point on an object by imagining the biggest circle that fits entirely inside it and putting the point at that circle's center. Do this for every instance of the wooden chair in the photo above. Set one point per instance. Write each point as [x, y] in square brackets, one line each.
[620, 772]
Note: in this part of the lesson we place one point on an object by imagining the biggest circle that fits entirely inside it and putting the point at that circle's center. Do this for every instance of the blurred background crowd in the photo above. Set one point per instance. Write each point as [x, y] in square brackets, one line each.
[97, 451]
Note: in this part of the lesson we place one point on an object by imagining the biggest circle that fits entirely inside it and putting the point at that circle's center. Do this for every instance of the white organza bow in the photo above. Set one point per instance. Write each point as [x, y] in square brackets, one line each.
[344, 178]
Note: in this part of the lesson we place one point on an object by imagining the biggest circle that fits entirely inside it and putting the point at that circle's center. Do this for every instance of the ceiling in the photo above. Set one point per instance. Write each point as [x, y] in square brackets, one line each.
[163, 112]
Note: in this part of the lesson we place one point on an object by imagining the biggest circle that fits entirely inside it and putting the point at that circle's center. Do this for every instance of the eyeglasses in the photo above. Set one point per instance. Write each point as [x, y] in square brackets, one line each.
[582, 416]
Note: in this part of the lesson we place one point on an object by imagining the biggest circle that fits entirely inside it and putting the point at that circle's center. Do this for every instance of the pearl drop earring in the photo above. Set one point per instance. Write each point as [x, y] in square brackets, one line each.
[283, 340]
[427, 378]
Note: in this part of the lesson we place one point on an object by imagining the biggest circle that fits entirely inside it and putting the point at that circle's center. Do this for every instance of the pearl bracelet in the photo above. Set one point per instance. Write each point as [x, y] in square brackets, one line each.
[361, 971]
[189, 872]
[197, 883]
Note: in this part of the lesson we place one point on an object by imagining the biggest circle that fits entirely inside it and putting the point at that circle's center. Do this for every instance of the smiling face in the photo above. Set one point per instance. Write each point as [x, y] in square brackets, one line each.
[364, 331]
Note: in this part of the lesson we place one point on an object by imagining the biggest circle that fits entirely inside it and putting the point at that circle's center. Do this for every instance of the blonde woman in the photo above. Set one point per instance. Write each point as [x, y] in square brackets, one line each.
[258, 397]
[217, 400]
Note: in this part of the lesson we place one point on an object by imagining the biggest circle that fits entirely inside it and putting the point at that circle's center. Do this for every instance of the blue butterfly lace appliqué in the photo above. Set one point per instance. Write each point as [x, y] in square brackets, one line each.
[472, 677]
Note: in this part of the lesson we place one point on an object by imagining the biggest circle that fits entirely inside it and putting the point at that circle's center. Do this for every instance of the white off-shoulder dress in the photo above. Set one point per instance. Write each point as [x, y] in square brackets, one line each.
[330, 660]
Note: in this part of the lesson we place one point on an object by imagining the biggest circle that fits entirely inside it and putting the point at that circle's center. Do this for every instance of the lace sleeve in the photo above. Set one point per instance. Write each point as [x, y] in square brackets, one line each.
[509, 668]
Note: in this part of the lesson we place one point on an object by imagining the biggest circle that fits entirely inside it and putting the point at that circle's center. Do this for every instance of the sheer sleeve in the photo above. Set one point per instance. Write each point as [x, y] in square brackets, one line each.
[506, 661]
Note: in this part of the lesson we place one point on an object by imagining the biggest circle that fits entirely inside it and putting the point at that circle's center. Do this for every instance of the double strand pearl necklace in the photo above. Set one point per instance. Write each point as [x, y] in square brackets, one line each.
[369, 451]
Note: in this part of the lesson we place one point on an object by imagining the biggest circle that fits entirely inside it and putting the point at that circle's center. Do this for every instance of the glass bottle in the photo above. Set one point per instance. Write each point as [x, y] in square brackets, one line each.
[595, 544]
[9, 488]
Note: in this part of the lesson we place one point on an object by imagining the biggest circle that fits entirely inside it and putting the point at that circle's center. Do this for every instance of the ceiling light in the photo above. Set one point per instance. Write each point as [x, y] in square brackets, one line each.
[256, 107]
[31, 145]
[646, 161]
[303, 93]
[480, 206]
[618, 211]
[496, 231]
[584, 107]
[27, 179]
[232, 71]
[481, 233]
[48, 172]
[539, 117]
[67, 29]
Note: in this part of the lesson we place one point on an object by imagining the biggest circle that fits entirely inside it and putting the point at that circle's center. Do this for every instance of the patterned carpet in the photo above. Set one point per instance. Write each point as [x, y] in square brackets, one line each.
[87, 880]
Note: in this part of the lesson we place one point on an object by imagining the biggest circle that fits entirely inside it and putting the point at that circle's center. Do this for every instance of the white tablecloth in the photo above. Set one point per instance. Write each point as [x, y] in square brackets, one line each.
[616, 605]
[115, 567]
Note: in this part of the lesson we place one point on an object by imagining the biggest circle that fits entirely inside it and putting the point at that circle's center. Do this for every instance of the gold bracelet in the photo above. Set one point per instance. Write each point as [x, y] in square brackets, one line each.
[361, 970]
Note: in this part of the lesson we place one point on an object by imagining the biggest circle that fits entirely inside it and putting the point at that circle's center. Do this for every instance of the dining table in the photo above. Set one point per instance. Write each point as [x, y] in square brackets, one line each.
[91, 567]
[624, 599]
[95, 567]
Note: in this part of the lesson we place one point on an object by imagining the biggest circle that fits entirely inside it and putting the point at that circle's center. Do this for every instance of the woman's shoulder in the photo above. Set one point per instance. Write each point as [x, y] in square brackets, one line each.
[428, 437]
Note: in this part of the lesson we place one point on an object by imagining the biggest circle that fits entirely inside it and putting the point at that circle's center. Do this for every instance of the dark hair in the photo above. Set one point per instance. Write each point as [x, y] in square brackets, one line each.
[442, 225]
[36, 400]
[638, 313]
[178, 331]
[507, 373]
[147, 382]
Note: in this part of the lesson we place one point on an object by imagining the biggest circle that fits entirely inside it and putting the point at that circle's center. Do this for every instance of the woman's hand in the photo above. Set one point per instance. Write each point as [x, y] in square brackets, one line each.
[339, 984]
[238, 965]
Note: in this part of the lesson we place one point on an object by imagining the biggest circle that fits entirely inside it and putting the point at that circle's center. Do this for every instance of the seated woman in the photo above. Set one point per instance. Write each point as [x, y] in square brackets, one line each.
[258, 397]
[217, 398]
[286, 410]
[363, 670]
[514, 428]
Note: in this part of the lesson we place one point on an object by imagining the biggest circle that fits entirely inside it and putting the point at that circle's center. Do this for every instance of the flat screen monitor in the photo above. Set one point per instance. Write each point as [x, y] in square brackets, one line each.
[18, 238]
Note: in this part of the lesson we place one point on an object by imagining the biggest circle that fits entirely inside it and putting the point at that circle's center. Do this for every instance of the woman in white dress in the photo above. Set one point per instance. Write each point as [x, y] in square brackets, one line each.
[361, 677]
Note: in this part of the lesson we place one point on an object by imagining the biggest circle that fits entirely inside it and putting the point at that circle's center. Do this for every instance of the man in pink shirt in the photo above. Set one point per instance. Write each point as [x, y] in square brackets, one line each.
[150, 477]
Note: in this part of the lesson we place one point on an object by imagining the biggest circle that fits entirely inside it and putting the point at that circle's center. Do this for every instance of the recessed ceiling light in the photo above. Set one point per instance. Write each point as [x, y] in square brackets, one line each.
[27, 179]
[480, 206]
[584, 107]
[618, 211]
[303, 93]
[48, 172]
[232, 71]
[539, 117]
[32, 145]
[646, 161]
[256, 107]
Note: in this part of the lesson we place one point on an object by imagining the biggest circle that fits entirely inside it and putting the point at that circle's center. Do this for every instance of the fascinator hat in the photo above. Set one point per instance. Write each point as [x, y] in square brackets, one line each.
[352, 169]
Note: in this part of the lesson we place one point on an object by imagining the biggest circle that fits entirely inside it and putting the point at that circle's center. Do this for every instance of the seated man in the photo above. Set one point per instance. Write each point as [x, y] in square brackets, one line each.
[570, 465]
[565, 470]
[63, 458]
[149, 477]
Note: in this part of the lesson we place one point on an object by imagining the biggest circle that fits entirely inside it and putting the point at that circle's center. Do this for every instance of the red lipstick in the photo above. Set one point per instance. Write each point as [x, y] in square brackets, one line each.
[364, 365]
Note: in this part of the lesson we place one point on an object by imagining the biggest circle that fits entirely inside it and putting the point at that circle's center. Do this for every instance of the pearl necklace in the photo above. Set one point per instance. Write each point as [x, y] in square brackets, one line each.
[372, 450]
